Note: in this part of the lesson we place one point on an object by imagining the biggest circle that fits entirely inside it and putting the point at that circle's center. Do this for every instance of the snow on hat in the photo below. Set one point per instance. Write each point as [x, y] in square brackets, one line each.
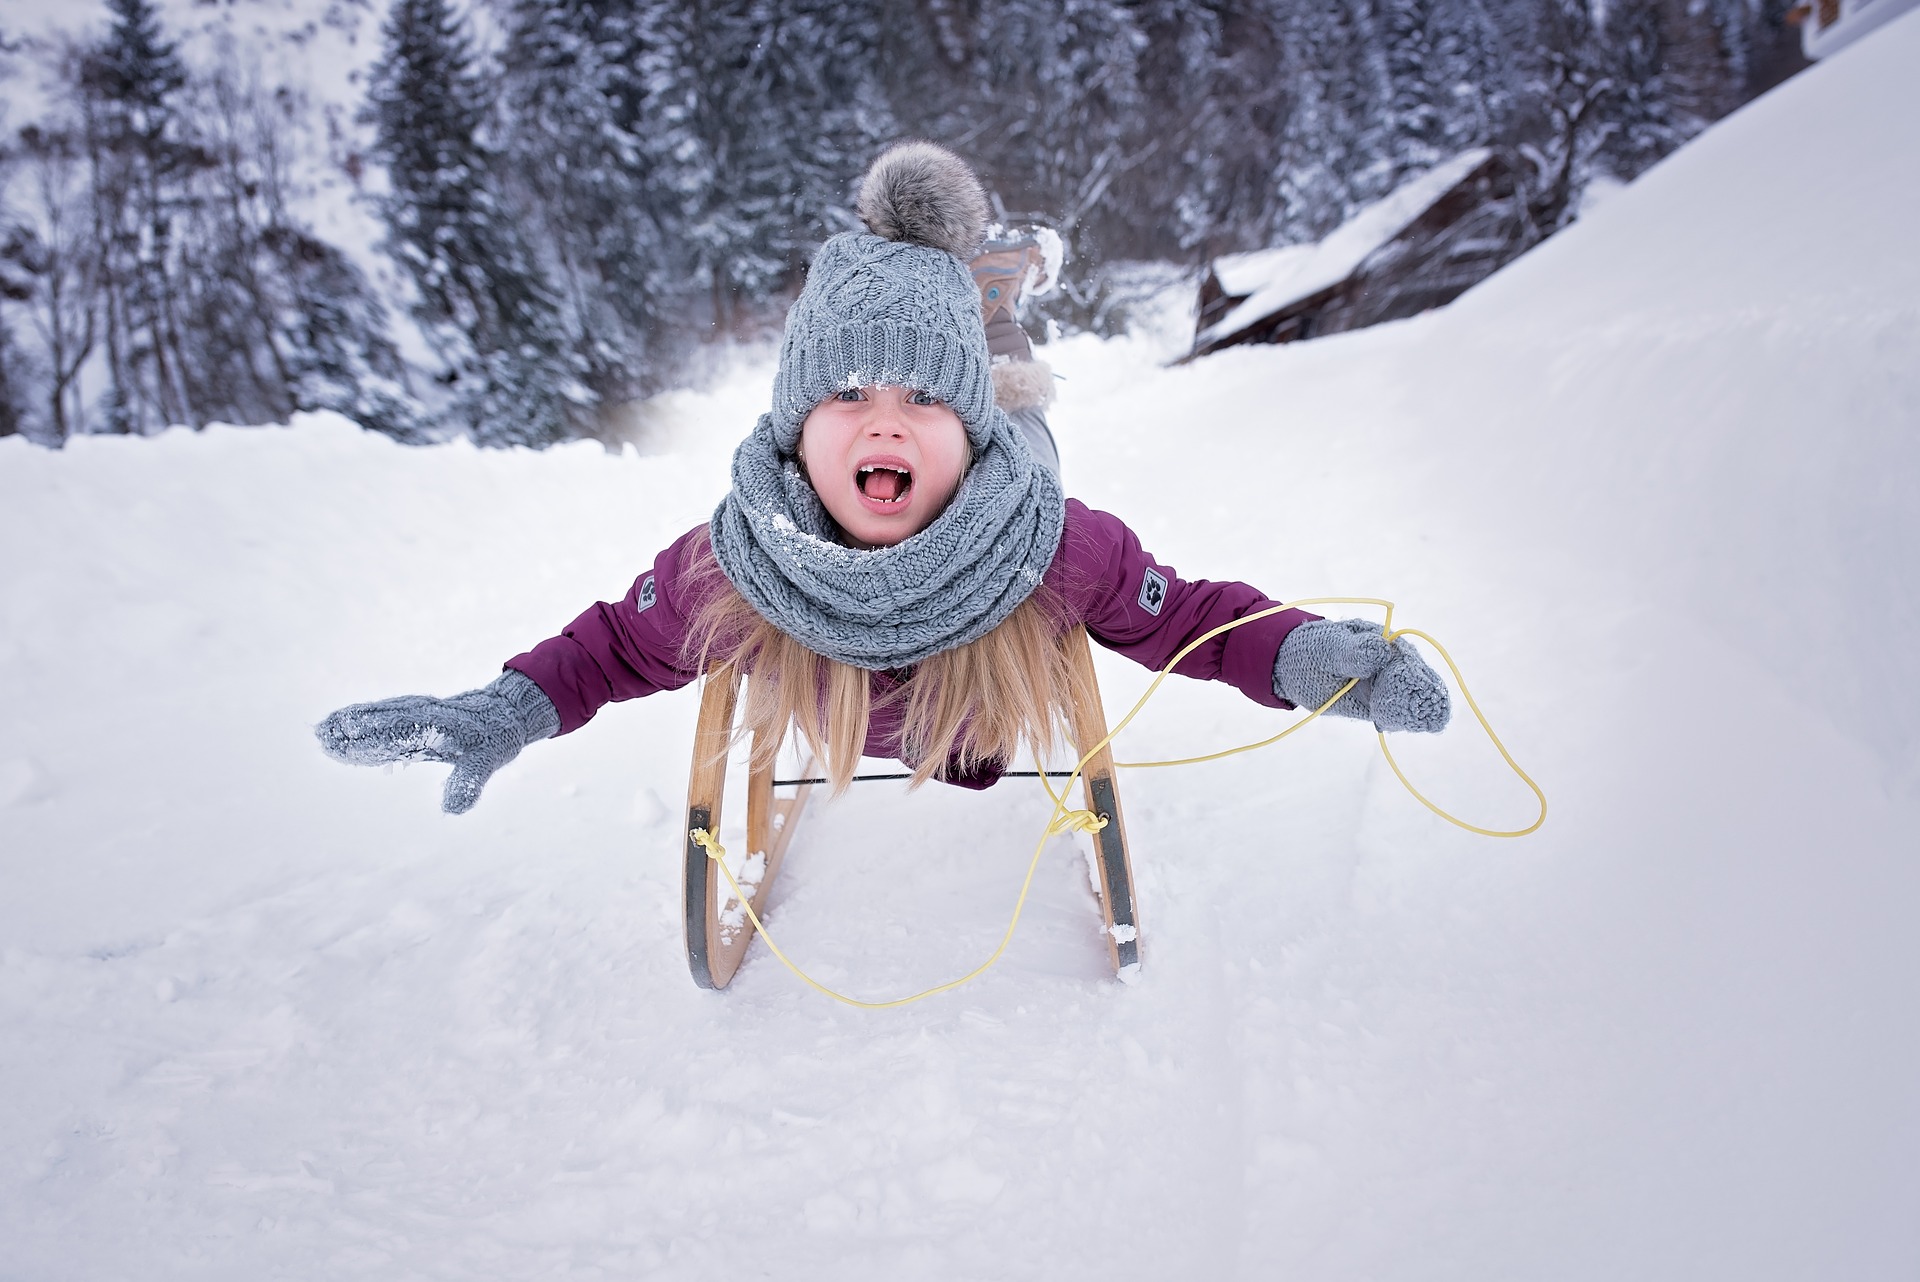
[895, 304]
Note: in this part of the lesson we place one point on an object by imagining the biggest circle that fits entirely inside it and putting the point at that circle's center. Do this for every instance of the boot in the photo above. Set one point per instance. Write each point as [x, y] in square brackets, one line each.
[1008, 268]
[1001, 270]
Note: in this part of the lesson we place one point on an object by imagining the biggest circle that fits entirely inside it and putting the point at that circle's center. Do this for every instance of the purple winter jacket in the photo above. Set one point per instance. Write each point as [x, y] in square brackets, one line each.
[1128, 601]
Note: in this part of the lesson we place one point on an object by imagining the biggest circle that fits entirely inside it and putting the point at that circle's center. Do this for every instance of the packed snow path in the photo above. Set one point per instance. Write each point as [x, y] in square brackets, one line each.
[262, 1015]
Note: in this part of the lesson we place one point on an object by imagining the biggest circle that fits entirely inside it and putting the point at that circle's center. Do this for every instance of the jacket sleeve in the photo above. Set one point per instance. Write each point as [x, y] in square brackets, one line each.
[1142, 608]
[619, 650]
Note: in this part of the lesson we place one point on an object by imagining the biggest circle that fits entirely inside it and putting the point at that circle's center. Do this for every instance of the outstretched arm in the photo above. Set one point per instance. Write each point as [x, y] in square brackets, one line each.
[1139, 606]
[1142, 608]
[615, 650]
[625, 649]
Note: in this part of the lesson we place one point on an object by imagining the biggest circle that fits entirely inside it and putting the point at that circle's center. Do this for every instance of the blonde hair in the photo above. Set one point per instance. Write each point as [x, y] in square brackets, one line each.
[968, 706]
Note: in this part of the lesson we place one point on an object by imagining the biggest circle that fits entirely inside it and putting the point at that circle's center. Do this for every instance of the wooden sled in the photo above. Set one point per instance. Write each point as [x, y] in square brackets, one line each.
[718, 930]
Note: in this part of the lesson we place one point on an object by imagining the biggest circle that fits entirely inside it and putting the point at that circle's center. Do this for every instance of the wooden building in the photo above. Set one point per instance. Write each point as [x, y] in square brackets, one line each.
[1424, 245]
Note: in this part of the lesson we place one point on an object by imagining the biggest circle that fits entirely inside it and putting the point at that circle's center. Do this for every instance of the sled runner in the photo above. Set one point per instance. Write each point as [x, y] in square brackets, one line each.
[718, 929]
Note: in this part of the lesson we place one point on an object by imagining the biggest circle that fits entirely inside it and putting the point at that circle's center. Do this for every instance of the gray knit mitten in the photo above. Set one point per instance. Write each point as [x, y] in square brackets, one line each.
[1396, 689]
[478, 732]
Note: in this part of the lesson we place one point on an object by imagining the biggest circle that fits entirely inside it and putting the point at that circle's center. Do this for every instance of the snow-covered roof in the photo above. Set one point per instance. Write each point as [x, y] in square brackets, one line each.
[1273, 278]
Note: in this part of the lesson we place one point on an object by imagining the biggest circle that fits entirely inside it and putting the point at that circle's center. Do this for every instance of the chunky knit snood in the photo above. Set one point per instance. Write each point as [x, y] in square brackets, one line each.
[888, 607]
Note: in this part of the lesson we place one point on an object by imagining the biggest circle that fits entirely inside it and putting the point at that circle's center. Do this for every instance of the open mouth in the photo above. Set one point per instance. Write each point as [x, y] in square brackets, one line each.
[883, 485]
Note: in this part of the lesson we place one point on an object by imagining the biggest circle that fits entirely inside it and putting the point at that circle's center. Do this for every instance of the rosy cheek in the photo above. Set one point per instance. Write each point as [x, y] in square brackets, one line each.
[950, 476]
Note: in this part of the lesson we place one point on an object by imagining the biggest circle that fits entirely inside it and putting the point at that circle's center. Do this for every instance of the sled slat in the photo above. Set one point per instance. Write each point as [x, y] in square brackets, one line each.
[706, 790]
[716, 949]
[1103, 799]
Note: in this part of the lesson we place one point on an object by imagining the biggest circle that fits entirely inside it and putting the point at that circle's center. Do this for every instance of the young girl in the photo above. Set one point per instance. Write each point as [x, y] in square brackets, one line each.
[896, 566]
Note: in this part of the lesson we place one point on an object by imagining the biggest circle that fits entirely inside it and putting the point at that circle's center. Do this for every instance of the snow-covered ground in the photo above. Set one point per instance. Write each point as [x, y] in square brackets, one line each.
[262, 1015]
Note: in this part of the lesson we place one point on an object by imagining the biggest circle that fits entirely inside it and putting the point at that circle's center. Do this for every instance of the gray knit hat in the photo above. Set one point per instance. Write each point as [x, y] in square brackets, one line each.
[896, 304]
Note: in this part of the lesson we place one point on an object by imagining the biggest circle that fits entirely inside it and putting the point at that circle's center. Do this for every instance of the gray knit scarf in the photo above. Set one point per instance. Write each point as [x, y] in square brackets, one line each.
[889, 607]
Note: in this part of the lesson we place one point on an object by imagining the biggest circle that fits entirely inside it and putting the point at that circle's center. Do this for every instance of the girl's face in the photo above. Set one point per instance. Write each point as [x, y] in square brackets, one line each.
[884, 460]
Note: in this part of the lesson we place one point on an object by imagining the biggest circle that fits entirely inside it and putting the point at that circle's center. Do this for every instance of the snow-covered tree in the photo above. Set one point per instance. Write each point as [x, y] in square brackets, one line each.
[1446, 63]
[626, 179]
[1211, 74]
[13, 384]
[791, 112]
[1675, 68]
[130, 85]
[54, 248]
[1334, 153]
[607, 151]
[16, 287]
[483, 293]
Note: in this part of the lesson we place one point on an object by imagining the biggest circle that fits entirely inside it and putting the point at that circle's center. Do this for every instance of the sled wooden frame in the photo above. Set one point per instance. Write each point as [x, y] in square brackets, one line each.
[715, 948]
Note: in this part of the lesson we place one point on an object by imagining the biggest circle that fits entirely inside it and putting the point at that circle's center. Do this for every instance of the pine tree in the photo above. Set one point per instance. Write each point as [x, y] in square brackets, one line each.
[791, 112]
[606, 142]
[1215, 73]
[1046, 98]
[1064, 81]
[1451, 84]
[334, 332]
[1335, 153]
[1675, 68]
[483, 294]
[1644, 123]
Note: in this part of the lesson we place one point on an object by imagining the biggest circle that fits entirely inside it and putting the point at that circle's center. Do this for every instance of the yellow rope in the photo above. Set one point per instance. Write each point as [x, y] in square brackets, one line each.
[716, 852]
[1066, 819]
[1391, 634]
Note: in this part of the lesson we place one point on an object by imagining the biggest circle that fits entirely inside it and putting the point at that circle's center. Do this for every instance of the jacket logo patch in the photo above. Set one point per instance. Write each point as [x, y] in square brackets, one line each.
[1153, 591]
[646, 593]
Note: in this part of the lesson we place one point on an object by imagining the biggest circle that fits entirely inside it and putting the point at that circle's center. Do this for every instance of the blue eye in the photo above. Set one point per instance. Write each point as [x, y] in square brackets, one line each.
[923, 398]
[851, 394]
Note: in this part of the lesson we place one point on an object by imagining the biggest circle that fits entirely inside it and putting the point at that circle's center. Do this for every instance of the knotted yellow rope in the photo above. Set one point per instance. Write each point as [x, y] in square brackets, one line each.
[1066, 819]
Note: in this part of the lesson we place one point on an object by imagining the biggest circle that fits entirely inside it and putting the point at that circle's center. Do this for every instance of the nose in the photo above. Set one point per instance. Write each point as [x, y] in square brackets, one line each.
[885, 419]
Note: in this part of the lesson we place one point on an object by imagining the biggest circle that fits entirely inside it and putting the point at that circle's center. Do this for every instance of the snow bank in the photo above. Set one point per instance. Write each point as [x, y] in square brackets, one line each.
[1729, 349]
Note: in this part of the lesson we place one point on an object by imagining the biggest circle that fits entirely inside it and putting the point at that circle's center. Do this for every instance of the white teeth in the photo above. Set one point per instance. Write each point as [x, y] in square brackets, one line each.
[906, 478]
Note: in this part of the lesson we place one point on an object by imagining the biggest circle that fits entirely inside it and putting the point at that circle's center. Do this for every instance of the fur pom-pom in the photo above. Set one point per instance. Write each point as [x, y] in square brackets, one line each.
[924, 194]
[1023, 385]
